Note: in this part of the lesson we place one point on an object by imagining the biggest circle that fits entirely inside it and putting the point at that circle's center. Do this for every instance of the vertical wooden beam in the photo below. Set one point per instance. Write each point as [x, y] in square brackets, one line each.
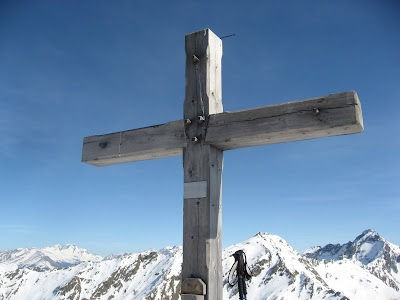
[203, 164]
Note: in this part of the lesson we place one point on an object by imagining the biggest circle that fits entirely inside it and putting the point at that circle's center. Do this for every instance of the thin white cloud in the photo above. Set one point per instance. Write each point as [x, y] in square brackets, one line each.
[14, 228]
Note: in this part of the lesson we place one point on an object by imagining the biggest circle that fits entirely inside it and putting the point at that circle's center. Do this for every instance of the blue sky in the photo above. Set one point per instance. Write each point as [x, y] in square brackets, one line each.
[71, 69]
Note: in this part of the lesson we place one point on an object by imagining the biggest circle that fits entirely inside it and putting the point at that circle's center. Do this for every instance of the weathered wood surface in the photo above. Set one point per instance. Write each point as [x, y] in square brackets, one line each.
[202, 225]
[194, 286]
[153, 142]
[203, 135]
[338, 114]
[192, 297]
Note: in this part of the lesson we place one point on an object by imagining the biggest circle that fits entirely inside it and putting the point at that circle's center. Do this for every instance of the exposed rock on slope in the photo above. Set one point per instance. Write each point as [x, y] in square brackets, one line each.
[377, 255]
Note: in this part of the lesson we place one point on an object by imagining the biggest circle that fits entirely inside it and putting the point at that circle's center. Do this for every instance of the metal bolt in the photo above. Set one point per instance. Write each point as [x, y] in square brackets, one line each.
[102, 144]
[187, 121]
[200, 119]
[195, 59]
[195, 139]
[315, 110]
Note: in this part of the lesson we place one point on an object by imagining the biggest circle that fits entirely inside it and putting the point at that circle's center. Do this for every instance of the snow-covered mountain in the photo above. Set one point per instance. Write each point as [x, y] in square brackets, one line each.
[378, 256]
[147, 275]
[47, 258]
[280, 272]
[365, 248]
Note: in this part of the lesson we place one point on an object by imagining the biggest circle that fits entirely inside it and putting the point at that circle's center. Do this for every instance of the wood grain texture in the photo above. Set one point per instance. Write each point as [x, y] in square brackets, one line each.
[202, 228]
[192, 297]
[202, 224]
[153, 142]
[194, 286]
[336, 114]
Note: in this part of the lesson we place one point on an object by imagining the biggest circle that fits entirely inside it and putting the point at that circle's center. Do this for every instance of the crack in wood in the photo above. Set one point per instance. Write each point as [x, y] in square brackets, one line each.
[225, 123]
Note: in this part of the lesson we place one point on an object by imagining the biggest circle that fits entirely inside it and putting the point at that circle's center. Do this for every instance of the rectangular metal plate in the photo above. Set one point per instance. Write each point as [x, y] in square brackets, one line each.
[197, 189]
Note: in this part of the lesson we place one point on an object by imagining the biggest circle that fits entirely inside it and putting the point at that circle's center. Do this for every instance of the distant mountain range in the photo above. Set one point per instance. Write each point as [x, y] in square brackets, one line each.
[367, 268]
[47, 258]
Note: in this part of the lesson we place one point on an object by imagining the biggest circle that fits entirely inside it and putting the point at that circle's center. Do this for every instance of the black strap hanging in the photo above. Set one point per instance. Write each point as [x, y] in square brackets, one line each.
[243, 273]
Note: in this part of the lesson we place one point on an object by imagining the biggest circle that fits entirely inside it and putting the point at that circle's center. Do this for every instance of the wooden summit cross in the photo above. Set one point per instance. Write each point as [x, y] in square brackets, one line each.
[202, 136]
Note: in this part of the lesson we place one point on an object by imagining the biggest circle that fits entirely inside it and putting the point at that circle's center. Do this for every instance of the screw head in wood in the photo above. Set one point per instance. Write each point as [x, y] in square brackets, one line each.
[195, 59]
[195, 139]
[187, 121]
[315, 111]
[200, 119]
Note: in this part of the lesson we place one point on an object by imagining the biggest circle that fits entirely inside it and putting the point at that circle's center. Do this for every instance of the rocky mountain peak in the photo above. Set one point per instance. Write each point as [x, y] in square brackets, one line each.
[367, 247]
[368, 235]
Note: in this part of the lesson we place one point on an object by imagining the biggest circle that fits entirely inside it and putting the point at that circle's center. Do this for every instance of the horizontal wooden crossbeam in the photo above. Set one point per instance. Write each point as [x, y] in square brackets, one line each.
[336, 114]
[152, 142]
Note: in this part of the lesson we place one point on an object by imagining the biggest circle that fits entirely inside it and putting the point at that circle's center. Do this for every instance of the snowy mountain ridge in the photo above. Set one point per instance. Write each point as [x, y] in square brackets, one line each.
[47, 258]
[365, 248]
[379, 256]
[280, 272]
